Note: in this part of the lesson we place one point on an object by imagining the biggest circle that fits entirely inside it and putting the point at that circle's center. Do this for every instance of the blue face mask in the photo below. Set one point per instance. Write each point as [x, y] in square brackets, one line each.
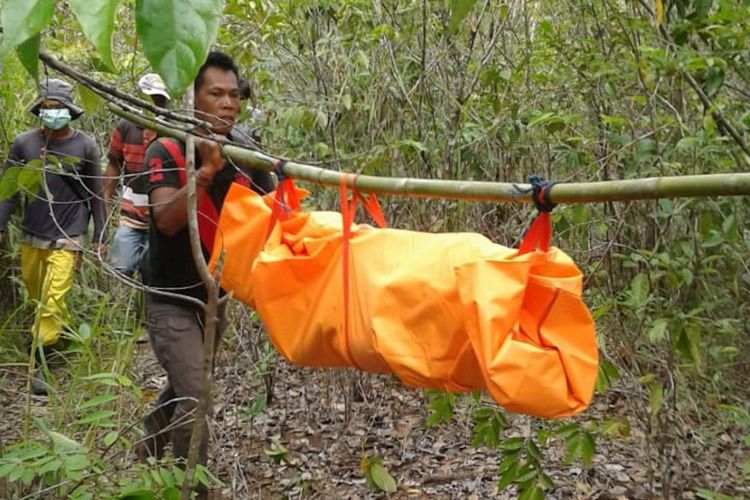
[55, 119]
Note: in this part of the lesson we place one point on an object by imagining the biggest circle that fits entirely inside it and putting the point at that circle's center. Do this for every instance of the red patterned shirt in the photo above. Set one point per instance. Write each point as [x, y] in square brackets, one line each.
[126, 151]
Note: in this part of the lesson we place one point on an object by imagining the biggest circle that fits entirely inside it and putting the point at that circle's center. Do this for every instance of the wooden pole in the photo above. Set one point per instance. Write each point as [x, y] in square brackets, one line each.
[691, 186]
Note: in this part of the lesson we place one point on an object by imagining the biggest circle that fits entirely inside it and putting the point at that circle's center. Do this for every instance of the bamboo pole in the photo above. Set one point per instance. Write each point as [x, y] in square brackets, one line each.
[690, 186]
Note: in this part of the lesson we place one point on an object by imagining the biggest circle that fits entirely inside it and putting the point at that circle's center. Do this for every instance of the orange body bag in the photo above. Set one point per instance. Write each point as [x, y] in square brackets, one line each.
[451, 311]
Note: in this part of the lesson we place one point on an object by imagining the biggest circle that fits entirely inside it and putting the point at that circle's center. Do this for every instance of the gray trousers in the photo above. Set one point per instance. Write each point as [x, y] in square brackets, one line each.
[176, 335]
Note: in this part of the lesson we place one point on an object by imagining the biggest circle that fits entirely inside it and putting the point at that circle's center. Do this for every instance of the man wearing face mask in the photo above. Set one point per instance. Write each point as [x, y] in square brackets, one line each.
[56, 217]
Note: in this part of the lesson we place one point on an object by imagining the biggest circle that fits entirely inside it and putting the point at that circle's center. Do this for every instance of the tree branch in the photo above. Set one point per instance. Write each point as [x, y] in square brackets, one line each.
[210, 311]
[106, 89]
[718, 117]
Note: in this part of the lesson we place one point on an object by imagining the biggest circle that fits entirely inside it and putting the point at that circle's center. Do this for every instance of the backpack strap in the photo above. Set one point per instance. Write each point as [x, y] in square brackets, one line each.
[208, 214]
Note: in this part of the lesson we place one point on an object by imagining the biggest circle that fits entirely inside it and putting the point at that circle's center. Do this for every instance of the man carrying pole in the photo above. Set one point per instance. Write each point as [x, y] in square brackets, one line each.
[175, 321]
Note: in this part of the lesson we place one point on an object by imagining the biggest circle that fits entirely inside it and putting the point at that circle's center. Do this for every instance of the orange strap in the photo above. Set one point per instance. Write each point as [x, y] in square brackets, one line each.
[348, 211]
[538, 235]
[286, 201]
[208, 215]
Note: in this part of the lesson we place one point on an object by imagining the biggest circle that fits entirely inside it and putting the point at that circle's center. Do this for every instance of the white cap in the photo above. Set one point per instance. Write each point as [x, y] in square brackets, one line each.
[152, 84]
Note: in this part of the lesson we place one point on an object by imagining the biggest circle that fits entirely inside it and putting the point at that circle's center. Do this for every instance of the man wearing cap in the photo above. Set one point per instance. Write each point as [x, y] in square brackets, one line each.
[126, 151]
[56, 217]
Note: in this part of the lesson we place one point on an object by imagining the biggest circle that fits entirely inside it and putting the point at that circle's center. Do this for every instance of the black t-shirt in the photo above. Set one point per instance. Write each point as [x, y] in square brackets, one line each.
[76, 192]
[170, 259]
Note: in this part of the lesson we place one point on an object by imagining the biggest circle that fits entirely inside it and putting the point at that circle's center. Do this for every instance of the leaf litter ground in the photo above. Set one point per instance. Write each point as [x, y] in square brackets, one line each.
[310, 440]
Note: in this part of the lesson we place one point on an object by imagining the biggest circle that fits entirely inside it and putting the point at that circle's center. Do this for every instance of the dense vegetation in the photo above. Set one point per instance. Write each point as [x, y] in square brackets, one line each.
[472, 90]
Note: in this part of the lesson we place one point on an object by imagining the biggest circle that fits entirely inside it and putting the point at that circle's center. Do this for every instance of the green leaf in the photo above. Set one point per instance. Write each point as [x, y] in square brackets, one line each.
[90, 100]
[176, 37]
[512, 444]
[110, 438]
[95, 417]
[608, 373]
[27, 477]
[200, 475]
[646, 149]
[588, 447]
[639, 289]
[729, 226]
[714, 240]
[97, 400]
[7, 468]
[278, 453]
[381, 478]
[709, 125]
[166, 477]
[483, 414]
[508, 461]
[550, 121]
[459, 10]
[346, 101]
[702, 7]
[507, 478]
[258, 406]
[526, 475]
[23, 19]
[714, 80]
[321, 119]
[9, 183]
[532, 493]
[411, 144]
[63, 442]
[171, 493]
[568, 430]
[97, 18]
[30, 178]
[658, 330]
[688, 143]
[572, 447]
[137, 493]
[533, 451]
[656, 397]
[76, 462]
[546, 481]
[441, 407]
[50, 466]
[693, 338]
[28, 54]
[712, 495]
[617, 122]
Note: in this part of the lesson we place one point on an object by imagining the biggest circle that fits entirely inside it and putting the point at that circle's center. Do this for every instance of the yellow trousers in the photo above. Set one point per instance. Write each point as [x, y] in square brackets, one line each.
[48, 275]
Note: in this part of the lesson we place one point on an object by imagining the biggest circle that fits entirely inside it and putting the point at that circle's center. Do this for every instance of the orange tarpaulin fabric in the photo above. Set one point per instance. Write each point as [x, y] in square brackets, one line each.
[452, 311]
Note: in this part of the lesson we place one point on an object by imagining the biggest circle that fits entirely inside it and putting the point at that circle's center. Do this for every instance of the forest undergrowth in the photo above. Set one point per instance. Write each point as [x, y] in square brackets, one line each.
[572, 91]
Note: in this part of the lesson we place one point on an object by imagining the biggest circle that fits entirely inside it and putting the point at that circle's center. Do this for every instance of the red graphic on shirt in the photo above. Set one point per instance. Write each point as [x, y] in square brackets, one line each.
[155, 168]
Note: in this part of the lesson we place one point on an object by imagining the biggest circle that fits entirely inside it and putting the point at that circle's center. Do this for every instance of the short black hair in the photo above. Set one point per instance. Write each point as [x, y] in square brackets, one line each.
[219, 60]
